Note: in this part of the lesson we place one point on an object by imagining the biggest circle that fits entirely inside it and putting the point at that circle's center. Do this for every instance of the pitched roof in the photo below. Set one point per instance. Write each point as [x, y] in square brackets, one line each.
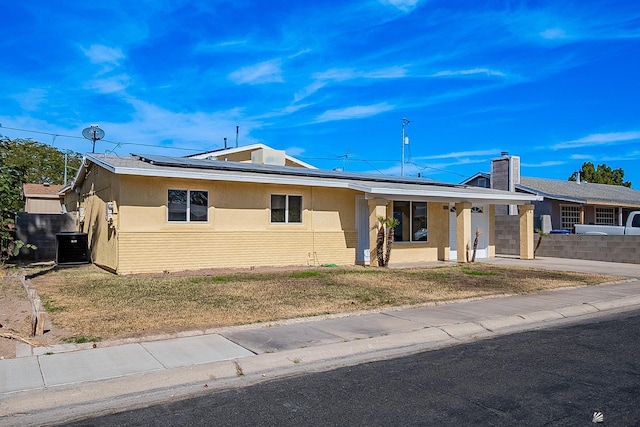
[583, 192]
[222, 152]
[41, 190]
[376, 185]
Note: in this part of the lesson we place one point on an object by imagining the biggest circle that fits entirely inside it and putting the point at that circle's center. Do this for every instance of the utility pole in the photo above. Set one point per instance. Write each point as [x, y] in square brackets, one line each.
[404, 141]
[66, 156]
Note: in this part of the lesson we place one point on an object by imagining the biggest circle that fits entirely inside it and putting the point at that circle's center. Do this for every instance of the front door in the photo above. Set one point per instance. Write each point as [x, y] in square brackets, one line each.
[479, 221]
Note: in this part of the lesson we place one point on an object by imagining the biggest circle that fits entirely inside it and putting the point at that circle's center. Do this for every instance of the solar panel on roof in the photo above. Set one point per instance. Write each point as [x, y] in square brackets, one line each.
[279, 170]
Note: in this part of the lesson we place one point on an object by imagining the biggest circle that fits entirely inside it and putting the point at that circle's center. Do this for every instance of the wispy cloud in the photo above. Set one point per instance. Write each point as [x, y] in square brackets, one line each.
[553, 34]
[111, 84]
[469, 72]
[263, 72]
[105, 55]
[628, 156]
[337, 75]
[403, 5]
[544, 164]
[355, 112]
[163, 126]
[599, 139]
[458, 154]
[215, 47]
[581, 157]
[32, 99]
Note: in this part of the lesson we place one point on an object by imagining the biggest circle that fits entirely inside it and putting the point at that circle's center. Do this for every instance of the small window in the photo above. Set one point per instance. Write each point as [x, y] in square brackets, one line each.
[605, 216]
[198, 205]
[569, 216]
[187, 206]
[412, 221]
[286, 209]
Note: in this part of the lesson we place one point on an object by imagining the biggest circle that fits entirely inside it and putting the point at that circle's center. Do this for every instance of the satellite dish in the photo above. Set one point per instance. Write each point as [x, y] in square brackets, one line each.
[94, 133]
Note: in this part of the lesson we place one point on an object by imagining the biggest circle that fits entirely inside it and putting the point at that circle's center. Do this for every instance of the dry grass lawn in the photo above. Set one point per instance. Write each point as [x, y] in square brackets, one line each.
[93, 304]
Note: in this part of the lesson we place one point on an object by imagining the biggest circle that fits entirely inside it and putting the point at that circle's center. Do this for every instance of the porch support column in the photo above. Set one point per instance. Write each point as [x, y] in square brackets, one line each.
[526, 231]
[620, 221]
[377, 208]
[492, 231]
[463, 231]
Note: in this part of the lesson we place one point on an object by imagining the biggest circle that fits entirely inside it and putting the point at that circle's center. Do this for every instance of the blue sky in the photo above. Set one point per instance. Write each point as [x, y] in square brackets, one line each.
[557, 82]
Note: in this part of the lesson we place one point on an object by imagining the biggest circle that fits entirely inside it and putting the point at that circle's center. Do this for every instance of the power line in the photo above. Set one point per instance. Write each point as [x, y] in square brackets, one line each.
[421, 167]
[350, 159]
[116, 143]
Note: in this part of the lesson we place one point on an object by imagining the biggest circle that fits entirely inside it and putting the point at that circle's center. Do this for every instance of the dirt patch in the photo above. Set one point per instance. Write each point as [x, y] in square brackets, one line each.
[15, 312]
[15, 317]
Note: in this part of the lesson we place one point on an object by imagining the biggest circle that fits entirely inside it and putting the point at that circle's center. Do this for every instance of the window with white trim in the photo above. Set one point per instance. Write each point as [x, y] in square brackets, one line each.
[412, 221]
[286, 209]
[605, 216]
[569, 216]
[187, 205]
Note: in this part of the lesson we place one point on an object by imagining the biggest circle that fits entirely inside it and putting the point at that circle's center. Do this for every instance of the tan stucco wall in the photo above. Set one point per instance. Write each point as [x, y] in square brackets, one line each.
[526, 231]
[245, 157]
[239, 232]
[100, 188]
[232, 206]
[492, 231]
[463, 231]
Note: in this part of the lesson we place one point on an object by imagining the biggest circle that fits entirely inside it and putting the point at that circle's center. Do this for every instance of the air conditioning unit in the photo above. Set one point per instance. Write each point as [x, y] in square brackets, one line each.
[72, 248]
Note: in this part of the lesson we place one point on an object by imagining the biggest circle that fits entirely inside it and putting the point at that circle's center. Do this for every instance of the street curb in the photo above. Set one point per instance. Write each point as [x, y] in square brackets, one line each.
[75, 401]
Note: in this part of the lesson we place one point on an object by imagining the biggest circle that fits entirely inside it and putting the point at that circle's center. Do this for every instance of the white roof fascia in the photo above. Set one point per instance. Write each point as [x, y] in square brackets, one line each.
[80, 171]
[550, 196]
[300, 162]
[236, 177]
[227, 151]
[445, 195]
[477, 175]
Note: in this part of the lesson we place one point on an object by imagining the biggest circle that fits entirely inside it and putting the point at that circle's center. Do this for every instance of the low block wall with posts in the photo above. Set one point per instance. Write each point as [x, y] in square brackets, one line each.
[573, 246]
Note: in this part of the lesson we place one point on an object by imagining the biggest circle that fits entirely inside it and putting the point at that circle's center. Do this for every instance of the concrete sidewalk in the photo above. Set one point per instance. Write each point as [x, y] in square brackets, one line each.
[64, 381]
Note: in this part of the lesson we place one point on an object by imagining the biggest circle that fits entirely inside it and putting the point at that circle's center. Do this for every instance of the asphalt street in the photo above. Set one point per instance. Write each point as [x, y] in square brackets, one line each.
[553, 377]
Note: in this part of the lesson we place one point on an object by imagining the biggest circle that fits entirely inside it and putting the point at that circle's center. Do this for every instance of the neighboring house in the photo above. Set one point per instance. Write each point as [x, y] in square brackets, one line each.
[155, 213]
[565, 202]
[42, 198]
[41, 219]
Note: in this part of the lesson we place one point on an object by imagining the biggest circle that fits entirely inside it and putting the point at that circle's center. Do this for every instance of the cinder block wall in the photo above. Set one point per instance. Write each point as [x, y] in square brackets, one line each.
[573, 246]
[595, 248]
[40, 230]
[508, 234]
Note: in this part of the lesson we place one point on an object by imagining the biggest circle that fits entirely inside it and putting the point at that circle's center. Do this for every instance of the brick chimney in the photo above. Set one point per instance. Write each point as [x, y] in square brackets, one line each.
[505, 175]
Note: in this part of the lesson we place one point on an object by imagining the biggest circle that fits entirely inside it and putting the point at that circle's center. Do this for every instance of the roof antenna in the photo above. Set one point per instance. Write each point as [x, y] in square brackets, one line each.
[237, 128]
